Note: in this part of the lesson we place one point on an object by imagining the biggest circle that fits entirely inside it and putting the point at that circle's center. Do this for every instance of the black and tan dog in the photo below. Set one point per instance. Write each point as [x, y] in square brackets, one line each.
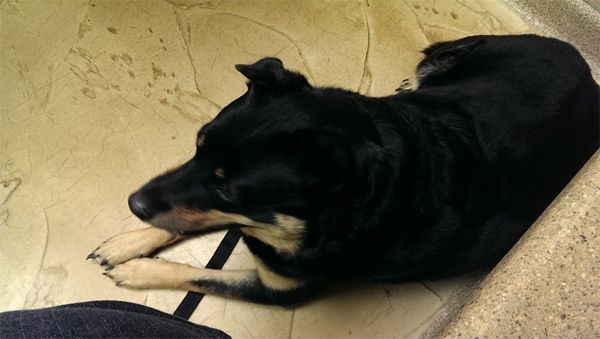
[327, 185]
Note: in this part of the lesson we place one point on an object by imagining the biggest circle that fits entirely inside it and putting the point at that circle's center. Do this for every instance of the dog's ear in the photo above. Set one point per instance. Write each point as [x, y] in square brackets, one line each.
[269, 72]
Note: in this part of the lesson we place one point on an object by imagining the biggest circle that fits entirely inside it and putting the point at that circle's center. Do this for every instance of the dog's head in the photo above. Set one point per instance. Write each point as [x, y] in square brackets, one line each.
[271, 160]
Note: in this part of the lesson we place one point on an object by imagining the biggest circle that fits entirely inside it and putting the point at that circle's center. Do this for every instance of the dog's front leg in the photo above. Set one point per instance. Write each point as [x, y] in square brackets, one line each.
[132, 244]
[260, 285]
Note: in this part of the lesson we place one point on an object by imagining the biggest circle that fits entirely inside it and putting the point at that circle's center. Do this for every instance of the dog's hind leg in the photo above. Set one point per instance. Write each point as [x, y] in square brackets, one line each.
[441, 57]
[260, 285]
[132, 244]
[407, 85]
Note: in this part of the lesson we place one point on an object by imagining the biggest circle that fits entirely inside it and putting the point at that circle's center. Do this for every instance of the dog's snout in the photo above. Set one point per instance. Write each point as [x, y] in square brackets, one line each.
[140, 206]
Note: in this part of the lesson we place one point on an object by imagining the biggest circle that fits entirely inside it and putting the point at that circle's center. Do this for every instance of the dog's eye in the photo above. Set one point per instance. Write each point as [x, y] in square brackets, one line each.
[219, 173]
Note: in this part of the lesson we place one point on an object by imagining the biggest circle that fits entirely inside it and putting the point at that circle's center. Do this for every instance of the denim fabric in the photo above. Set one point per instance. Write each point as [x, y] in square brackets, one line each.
[100, 319]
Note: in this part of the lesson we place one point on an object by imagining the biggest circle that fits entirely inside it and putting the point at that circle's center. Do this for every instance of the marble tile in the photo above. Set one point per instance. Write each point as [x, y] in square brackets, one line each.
[373, 310]
[96, 97]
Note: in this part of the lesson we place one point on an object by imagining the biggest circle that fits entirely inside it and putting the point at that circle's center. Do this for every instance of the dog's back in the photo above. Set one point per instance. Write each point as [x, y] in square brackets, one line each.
[533, 103]
[530, 106]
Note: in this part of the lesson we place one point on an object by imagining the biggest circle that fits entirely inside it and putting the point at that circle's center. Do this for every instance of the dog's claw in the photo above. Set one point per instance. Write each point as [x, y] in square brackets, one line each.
[105, 262]
[107, 273]
[93, 255]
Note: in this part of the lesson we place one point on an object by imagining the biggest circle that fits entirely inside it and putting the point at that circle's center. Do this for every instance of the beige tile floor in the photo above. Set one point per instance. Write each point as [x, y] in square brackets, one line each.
[98, 96]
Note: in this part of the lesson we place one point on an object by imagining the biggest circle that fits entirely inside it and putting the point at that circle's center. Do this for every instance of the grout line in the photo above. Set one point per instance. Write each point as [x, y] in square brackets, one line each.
[291, 324]
[432, 291]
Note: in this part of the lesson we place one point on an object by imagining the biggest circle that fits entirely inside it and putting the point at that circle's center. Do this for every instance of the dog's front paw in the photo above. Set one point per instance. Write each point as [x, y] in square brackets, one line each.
[129, 245]
[149, 273]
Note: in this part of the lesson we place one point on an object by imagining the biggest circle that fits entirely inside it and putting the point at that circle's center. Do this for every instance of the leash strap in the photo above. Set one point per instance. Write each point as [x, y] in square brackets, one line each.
[218, 259]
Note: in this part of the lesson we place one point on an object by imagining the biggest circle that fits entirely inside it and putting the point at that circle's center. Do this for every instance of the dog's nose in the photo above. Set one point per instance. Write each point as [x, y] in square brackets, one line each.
[140, 206]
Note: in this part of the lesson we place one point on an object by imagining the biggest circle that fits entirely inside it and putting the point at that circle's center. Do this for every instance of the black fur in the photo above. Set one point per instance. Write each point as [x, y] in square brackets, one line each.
[254, 291]
[417, 185]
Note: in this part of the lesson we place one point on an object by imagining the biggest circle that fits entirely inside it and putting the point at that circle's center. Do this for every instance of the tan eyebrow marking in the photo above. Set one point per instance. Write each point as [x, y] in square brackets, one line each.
[219, 172]
[200, 140]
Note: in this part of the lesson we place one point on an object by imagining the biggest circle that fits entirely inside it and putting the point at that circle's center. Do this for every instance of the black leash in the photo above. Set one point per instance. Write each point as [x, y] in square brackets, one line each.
[218, 259]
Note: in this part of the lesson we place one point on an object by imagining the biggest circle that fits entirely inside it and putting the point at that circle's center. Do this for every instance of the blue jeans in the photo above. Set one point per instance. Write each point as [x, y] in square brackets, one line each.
[100, 319]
